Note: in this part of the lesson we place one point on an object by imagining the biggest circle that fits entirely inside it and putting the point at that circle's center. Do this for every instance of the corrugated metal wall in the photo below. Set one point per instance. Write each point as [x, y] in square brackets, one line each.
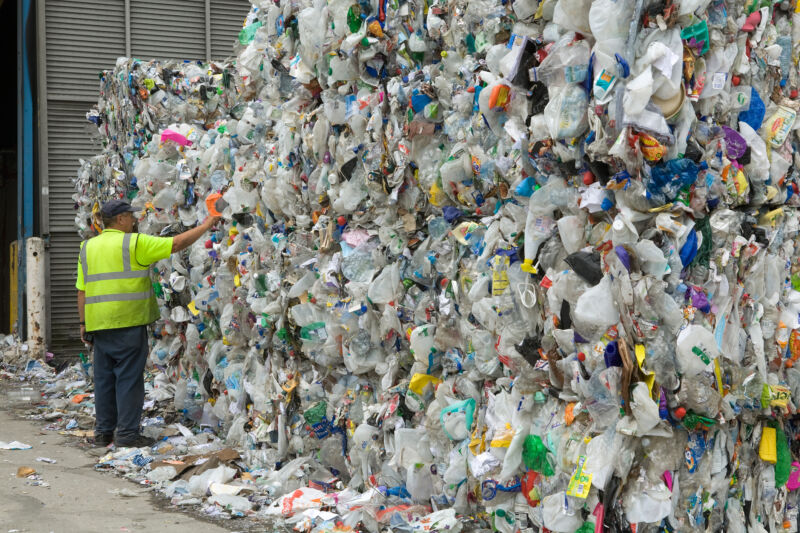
[79, 39]
[169, 29]
[223, 26]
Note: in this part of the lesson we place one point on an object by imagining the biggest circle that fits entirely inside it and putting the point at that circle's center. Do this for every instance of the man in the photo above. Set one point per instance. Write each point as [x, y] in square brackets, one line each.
[115, 304]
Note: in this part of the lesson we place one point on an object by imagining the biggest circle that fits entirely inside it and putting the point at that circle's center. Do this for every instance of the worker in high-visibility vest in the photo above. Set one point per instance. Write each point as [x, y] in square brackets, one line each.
[116, 303]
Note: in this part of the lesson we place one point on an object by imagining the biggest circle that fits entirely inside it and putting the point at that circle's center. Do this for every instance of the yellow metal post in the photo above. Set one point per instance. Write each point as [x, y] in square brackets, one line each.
[13, 279]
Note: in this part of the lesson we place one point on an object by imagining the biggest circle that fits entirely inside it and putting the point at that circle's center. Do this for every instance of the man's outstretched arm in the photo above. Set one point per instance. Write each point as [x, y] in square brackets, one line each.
[187, 238]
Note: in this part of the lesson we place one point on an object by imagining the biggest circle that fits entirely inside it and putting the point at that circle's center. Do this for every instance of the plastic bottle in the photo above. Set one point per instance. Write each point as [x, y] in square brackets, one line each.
[358, 265]
[193, 404]
[567, 63]
[539, 223]
[785, 42]
[180, 394]
[604, 405]
[438, 227]
[86, 366]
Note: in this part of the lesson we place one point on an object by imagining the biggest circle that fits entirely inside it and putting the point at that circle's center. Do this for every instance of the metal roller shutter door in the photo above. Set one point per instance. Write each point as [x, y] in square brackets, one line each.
[168, 29]
[81, 39]
[67, 140]
[227, 17]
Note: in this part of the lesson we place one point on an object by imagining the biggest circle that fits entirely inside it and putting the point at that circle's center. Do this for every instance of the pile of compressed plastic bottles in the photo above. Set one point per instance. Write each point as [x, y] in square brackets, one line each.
[527, 261]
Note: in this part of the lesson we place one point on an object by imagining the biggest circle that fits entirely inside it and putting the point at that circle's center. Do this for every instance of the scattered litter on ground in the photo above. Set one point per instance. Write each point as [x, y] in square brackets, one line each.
[14, 445]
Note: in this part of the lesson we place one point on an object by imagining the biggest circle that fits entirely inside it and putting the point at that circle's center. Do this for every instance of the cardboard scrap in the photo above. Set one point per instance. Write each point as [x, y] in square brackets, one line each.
[192, 465]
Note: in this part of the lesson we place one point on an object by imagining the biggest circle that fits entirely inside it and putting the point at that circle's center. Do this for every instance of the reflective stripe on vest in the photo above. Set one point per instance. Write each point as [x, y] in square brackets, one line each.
[120, 297]
[127, 273]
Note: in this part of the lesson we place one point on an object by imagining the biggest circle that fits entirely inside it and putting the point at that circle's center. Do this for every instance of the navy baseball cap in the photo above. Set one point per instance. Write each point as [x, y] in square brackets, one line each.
[113, 208]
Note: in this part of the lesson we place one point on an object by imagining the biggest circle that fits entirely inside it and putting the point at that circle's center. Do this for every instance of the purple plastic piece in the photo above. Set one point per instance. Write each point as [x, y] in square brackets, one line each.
[735, 143]
[699, 299]
[623, 255]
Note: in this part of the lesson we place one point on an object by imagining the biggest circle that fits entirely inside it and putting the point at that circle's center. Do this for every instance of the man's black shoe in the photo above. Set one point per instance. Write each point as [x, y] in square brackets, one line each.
[139, 441]
[103, 439]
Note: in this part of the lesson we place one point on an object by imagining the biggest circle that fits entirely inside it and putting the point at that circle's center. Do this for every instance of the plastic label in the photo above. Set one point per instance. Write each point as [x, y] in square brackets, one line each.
[581, 482]
[775, 396]
[575, 73]
[718, 81]
[780, 124]
[604, 82]
[499, 274]
[701, 354]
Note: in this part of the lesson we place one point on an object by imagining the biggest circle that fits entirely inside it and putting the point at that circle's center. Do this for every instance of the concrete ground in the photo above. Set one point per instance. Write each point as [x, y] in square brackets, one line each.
[78, 498]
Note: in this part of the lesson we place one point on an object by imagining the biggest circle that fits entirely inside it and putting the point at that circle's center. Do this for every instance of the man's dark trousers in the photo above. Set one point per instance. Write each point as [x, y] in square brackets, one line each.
[119, 359]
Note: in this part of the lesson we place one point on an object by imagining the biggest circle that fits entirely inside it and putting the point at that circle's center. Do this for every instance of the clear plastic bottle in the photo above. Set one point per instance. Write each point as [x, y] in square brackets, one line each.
[567, 63]
[438, 228]
[180, 394]
[698, 396]
[358, 266]
[603, 404]
[193, 405]
[539, 224]
[785, 42]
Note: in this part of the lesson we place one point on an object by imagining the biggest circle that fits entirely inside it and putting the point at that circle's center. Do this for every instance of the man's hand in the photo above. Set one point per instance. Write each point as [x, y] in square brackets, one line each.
[83, 335]
[185, 239]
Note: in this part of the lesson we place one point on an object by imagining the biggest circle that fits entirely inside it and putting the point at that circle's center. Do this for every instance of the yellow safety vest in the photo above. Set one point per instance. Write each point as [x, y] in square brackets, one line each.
[118, 289]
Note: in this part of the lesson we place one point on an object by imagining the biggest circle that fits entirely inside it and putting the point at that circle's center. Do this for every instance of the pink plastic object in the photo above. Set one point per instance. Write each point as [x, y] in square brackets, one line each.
[667, 477]
[599, 513]
[794, 477]
[174, 136]
[752, 22]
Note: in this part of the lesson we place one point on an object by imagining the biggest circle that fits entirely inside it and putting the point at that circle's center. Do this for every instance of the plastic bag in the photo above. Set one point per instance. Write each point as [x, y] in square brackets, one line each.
[457, 419]
[586, 265]
[534, 454]
[596, 308]
[566, 113]
[295, 502]
[559, 515]
[573, 15]
[610, 19]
